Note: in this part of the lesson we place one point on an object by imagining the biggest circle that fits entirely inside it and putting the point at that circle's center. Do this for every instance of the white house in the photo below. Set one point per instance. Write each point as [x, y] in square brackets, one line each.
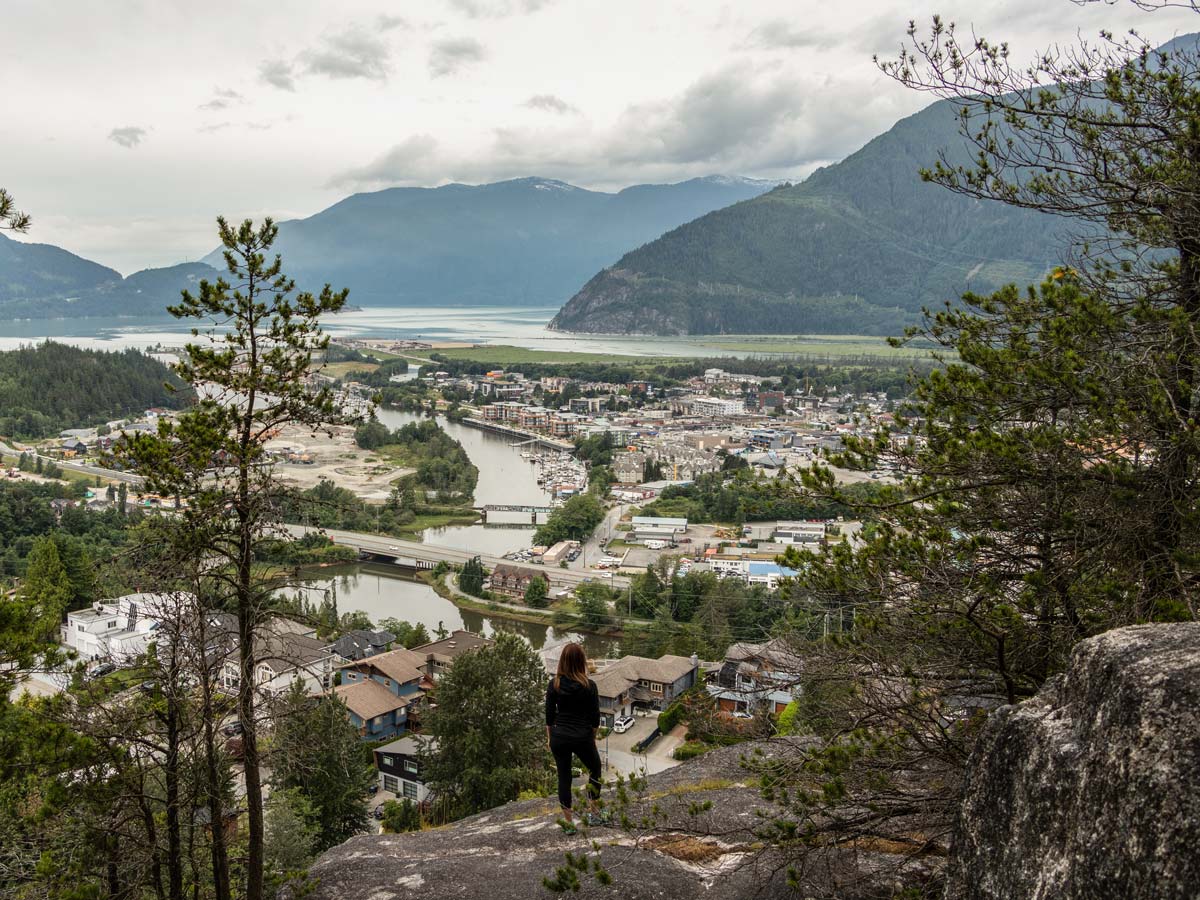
[120, 629]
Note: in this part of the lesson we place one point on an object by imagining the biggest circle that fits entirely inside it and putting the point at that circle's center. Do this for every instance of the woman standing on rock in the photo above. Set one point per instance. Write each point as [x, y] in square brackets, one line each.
[572, 718]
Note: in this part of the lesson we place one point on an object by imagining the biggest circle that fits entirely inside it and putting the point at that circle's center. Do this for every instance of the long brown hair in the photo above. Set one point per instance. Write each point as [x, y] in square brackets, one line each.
[572, 664]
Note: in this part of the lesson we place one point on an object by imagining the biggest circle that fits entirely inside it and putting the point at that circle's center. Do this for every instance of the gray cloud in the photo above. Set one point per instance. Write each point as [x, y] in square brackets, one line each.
[736, 120]
[450, 55]
[782, 34]
[277, 73]
[880, 34]
[406, 162]
[223, 98]
[128, 137]
[352, 53]
[387, 23]
[550, 103]
[214, 127]
[492, 9]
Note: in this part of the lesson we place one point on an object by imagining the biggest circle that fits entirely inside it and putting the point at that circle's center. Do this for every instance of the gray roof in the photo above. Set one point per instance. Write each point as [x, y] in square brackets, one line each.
[409, 745]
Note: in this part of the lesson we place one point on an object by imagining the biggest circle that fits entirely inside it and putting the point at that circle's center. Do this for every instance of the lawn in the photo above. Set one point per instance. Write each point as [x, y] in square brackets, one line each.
[833, 347]
[812, 345]
[504, 354]
[339, 370]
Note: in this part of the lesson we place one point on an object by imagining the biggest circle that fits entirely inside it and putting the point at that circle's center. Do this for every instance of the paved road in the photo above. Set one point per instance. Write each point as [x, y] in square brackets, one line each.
[410, 552]
[127, 477]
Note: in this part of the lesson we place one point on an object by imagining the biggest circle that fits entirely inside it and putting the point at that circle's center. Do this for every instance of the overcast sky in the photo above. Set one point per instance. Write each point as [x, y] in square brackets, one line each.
[129, 125]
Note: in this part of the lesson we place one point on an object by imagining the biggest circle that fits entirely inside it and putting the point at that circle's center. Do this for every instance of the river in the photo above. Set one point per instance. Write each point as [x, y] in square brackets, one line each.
[381, 591]
[504, 478]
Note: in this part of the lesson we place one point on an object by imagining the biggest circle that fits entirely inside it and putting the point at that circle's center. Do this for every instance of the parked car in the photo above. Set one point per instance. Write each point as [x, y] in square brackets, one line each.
[622, 724]
[377, 812]
[742, 715]
[232, 729]
[101, 670]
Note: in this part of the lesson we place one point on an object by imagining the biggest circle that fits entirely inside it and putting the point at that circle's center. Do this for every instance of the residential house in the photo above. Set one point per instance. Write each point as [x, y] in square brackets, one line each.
[399, 766]
[756, 674]
[639, 681]
[378, 692]
[511, 580]
[72, 447]
[361, 643]
[120, 629]
[286, 652]
[439, 655]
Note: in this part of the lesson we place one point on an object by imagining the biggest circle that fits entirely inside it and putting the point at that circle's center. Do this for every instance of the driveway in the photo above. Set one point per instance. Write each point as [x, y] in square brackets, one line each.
[618, 749]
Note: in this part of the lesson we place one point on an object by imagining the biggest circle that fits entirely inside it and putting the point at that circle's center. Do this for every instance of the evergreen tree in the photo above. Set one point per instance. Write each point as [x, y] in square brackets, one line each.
[292, 830]
[470, 579]
[262, 355]
[487, 718]
[317, 752]
[537, 594]
[400, 816]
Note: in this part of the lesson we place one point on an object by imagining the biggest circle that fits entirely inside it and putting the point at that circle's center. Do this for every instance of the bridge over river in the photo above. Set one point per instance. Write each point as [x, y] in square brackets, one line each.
[416, 555]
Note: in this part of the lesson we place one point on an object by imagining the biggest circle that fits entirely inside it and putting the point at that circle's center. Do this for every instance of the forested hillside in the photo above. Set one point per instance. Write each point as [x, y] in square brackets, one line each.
[859, 248]
[49, 387]
[41, 281]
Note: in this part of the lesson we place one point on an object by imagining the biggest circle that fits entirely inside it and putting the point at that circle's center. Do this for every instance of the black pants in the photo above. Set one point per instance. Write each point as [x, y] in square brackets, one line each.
[564, 746]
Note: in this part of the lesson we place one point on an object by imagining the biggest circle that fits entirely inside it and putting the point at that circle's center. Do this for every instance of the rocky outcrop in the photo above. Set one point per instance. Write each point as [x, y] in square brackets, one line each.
[704, 843]
[1092, 788]
[1088, 791]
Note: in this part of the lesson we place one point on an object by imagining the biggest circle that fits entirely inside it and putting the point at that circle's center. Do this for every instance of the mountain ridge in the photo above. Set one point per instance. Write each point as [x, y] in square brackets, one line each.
[523, 241]
[860, 246]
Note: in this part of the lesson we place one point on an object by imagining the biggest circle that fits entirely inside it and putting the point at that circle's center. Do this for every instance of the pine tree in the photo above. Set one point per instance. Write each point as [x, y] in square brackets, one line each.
[253, 375]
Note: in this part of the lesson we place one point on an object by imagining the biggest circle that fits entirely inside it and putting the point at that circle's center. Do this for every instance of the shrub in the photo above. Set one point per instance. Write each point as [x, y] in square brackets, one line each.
[690, 749]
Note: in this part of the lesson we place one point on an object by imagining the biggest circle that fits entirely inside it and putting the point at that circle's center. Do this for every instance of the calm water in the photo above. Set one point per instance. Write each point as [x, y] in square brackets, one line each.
[504, 478]
[381, 592]
[521, 326]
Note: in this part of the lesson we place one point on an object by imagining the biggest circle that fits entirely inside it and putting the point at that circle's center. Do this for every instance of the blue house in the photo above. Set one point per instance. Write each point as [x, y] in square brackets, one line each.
[380, 690]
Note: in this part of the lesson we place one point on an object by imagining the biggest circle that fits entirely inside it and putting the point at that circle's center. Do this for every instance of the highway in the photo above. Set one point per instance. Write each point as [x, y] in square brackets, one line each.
[412, 552]
[112, 474]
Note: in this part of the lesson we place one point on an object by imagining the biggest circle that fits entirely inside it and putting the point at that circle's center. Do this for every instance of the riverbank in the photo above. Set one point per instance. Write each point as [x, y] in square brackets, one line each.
[445, 587]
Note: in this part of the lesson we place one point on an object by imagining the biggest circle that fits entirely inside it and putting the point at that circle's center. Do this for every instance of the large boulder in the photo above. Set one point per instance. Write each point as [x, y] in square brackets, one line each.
[703, 843]
[1092, 788]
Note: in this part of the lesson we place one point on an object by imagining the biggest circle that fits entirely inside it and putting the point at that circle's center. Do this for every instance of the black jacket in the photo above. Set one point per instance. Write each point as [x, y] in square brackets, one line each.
[572, 709]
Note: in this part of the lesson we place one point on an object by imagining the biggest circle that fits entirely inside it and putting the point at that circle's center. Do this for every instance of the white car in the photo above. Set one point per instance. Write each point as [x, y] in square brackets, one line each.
[393, 547]
[622, 724]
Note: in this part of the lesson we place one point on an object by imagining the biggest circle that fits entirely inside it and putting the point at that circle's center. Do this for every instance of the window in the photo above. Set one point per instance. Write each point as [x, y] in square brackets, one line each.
[656, 688]
[81, 628]
[389, 761]
[410, 766]
[391, 783]
[410, 790]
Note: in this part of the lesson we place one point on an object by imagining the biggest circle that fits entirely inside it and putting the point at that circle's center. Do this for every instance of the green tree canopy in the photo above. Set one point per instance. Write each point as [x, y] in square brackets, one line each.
[487, 719]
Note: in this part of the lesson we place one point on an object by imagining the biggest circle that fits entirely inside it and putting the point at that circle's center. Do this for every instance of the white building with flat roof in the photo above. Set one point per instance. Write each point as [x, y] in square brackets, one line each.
[120, 629]
[677, 526]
